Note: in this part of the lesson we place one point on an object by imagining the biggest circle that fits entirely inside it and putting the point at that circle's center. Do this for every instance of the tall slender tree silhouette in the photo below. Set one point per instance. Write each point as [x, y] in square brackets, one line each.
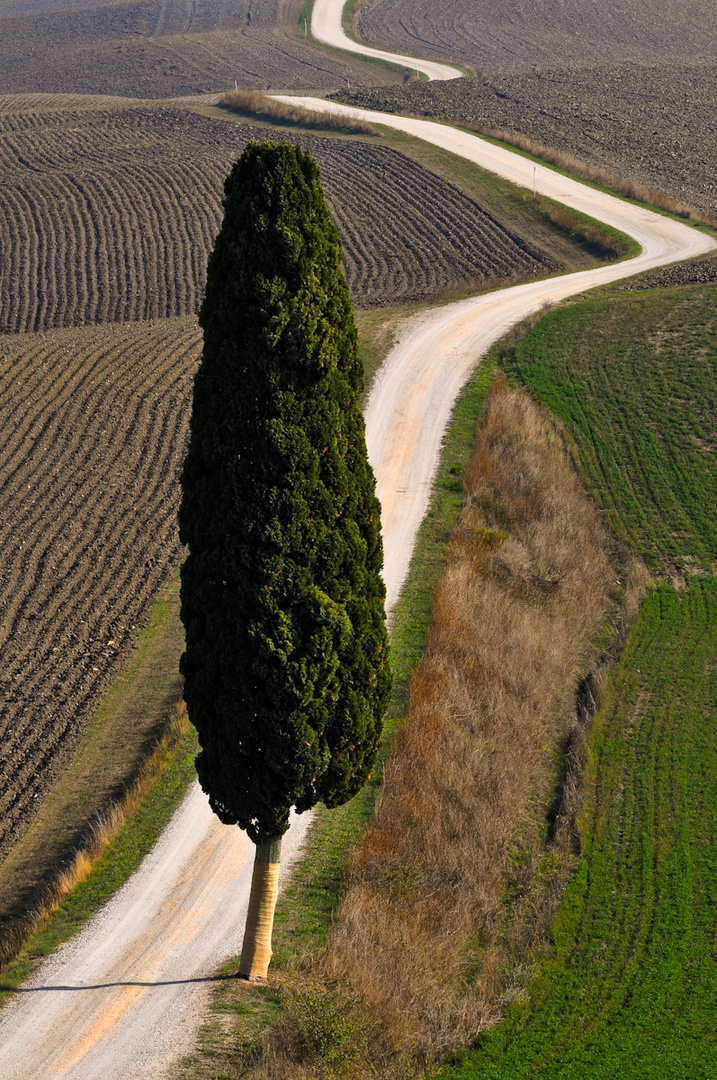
[286, 662]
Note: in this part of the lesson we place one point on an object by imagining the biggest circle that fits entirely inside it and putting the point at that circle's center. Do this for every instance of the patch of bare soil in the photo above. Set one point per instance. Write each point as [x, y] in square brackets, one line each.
[95, 424]
[166, 48]
[507, 36]
[654, 125]
[109, 215]
[699, 272]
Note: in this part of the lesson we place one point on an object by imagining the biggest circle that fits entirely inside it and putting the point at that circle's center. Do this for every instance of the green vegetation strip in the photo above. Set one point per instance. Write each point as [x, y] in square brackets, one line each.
[630, 990]
[572, 238]
[304, 912]
[634, 380]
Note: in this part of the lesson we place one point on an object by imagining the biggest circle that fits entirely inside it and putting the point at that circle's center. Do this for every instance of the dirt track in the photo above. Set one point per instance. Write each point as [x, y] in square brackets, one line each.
[654, 125]
[110, 212]
[327, 27]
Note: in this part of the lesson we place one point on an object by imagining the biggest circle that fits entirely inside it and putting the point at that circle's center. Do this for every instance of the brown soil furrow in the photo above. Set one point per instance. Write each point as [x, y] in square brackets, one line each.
[97, 243]
[19, 257]
[52, 485]
[58, 429]
[153, 288]
[53, 437]
[133, 242]
[109, 557]
[101, 549]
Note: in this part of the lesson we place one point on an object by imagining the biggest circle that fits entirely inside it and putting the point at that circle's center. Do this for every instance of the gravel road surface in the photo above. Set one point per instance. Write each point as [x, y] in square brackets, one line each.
[122, 998]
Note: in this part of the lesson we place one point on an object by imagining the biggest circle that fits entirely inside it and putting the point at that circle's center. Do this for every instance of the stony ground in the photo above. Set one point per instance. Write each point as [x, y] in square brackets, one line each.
[505, 36]
[655, 125]
[165, 48]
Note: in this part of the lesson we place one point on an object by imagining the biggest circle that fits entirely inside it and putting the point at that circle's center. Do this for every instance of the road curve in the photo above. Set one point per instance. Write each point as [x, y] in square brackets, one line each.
[413, 396]
[123, 998]
[326, 27]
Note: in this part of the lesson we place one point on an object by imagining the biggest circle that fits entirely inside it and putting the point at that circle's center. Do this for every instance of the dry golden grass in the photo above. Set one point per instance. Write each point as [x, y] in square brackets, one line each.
[593, 236]
[102, 831]
[453, 885]
[254, 103]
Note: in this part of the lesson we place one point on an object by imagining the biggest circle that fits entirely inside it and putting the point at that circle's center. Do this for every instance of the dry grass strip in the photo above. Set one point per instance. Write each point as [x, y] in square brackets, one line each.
[254, 103]
[631, 188]
[458, 874]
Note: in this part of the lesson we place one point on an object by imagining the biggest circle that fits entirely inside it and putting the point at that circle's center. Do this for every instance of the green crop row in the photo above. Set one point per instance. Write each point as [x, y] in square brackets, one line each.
[634, 380]
[630, 988]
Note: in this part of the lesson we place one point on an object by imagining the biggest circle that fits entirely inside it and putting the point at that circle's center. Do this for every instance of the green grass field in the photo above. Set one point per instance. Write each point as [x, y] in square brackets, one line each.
[634, 380]
[630, 990]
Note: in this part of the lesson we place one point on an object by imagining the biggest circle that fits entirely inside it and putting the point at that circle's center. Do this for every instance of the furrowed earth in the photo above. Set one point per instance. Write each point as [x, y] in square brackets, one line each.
[114, 210]
[166, 48]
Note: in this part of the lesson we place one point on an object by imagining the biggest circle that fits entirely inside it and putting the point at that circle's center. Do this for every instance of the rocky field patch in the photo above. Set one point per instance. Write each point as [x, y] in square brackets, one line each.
[165, 48]
[506, 36]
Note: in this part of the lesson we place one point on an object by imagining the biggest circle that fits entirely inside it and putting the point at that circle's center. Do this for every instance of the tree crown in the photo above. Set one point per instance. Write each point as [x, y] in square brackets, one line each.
[286, 675]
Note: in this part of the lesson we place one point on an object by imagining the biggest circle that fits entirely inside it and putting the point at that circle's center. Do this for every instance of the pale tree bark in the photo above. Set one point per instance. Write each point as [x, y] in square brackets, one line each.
[256, 948]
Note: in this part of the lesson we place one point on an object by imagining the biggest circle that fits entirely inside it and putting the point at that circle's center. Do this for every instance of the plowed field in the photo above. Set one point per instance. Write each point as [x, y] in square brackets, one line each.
[654, 125]
[165, 48]
[95, 424]
[506, 36]
[109, 215]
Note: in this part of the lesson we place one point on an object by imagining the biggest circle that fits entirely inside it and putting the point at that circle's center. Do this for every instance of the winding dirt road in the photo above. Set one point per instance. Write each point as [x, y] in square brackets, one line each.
[123, 999]
[326, 26]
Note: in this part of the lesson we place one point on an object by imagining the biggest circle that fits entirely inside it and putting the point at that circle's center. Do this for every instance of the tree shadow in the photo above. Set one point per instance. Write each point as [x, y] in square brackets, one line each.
[7, 988]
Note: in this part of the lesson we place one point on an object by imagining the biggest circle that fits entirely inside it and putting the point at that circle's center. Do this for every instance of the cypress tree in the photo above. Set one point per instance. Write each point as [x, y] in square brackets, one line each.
[286, 676]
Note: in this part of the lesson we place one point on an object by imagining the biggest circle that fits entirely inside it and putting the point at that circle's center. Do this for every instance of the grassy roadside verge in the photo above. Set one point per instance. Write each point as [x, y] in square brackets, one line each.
[630, 986]
[633, 377]
[228, 1043]
[575, 240]
[601, 179]
[253, 103]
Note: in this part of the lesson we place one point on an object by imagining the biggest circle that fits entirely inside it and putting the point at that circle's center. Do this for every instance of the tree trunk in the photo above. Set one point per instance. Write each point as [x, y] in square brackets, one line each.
[256, 948]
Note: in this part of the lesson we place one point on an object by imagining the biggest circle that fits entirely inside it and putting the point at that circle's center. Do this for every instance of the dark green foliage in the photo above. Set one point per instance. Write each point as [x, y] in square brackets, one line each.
[286, 665]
